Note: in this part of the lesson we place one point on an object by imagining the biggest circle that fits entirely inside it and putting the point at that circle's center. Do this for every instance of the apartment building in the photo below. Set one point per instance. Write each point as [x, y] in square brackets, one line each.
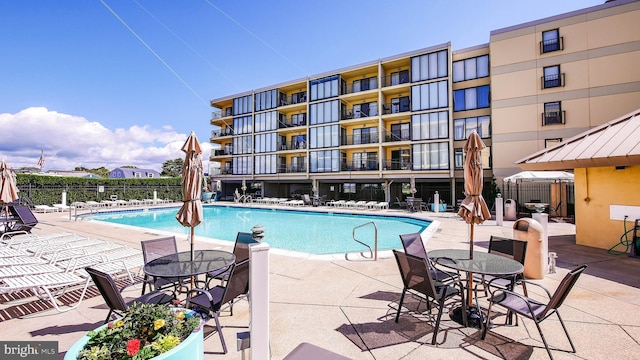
[373, 131]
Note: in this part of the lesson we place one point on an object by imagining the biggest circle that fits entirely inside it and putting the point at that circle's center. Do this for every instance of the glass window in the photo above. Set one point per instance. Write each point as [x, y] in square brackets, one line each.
[458, 158]
[550, 40]
[551, 77]
[429, 96]
[552, 113]
[242, 105]
[429, 66]
[471, 98]
[430, 126]
[472, 68]
[552, 142]
[324, 88]
[431, 156]
[324, 161]
[324, 112]
[464, 127]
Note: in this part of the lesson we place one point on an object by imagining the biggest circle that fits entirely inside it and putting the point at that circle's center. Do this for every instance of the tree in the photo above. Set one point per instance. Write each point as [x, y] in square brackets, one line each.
[101, 171]
[172, 168]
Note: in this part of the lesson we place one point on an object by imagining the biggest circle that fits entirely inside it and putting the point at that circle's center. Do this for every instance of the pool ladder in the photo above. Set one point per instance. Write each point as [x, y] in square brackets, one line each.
[374, 252]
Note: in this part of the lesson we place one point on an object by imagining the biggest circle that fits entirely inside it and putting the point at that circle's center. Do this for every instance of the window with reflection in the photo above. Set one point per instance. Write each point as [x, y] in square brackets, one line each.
[399, 77]
[434, 95]
[365, 135]
[242, 125]
[324, 136]
[430, 126]
[324, 161]
[462, 128]
[553, 113]
[472, 68]
[365, 161]
[266, 100]
[242, 105]
[266, 164]
[552, 142]
[551, 77]
[431, 156]
[324, 88]
[324, 112]
[471, 98]
[242, 165]
[265, 142]
[429, 66]
[550, 40]
[266, 121]
[241, 145]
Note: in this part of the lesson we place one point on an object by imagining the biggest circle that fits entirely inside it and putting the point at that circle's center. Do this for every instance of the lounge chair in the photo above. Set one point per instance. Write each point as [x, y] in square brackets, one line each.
[536, 310]
[306, 199]
[371, 204]
[61, 207]
[216, 299]
[382, 205]
[113, 296]
[45, 209]
[48, 287]
[417, 281]
[25, 220]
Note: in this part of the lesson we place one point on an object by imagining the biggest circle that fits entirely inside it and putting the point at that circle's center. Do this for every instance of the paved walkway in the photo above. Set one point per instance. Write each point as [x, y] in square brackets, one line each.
[344, 304]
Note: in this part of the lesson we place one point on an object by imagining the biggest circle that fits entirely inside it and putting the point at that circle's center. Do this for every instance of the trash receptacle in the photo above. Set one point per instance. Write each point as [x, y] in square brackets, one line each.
[531, 231]
[510, 212]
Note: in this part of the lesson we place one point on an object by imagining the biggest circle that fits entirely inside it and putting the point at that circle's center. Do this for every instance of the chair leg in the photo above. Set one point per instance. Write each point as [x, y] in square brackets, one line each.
[486, 327]
[219, 328]
[544, 341]
[400, 304]
[439, 316]
[108, 316]
[573, 348]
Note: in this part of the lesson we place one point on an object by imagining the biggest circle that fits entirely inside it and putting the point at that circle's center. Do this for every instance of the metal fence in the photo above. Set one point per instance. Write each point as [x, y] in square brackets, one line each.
[537, 192]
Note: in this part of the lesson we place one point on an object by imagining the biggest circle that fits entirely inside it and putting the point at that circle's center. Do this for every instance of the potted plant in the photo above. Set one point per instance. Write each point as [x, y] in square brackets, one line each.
[147, 331]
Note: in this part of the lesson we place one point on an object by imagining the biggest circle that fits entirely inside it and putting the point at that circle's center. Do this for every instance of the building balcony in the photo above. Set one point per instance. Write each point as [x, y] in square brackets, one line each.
[552, 81]
[227, 131]
[359, 166]
[553, 118]
[394, 136]
[362, 139]
[397, 165]
[220, 152]
[395, 108]
[292, 145]
[551, 45]
[291, 169]
[285, 123]
[394, 80]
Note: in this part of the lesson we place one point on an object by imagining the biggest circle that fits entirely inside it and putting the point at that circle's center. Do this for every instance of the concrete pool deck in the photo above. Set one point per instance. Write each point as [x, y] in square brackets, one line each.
[344, 304]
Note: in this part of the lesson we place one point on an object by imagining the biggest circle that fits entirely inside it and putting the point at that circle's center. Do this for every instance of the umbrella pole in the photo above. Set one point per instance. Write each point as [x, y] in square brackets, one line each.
[470, 299]
[191, 240]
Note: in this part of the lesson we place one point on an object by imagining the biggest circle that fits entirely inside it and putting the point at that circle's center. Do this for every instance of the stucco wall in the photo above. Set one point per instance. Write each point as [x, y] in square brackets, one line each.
[603, 186]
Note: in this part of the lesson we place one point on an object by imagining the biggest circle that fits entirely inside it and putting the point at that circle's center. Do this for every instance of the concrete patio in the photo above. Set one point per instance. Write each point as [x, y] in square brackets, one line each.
[344, 303]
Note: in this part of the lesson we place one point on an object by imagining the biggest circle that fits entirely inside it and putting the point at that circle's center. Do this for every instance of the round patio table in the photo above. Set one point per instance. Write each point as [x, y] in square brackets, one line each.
[482, 263]
[180, 265]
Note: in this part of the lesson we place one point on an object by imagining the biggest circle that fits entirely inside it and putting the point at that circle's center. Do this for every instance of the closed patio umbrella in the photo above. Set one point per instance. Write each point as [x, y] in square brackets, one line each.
[8, 187]
[473, 209]
[190, 214]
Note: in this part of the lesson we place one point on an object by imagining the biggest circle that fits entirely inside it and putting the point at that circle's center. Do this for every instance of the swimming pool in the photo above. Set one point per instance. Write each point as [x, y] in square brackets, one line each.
[301, 231]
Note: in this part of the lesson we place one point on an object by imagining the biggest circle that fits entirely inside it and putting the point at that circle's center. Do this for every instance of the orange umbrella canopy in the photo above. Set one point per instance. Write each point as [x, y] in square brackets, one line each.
[190, 214]
[8, 187]
[473, 209]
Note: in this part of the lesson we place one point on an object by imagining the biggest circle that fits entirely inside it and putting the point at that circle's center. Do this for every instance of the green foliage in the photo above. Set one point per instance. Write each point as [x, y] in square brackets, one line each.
[101, 171]
[172, 168]
[47, 190]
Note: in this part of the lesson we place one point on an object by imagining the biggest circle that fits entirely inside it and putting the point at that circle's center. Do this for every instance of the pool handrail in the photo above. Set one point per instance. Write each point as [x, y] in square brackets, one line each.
[374, 253]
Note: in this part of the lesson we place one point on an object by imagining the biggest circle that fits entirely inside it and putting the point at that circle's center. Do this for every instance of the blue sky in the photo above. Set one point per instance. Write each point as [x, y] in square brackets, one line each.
[123, 82]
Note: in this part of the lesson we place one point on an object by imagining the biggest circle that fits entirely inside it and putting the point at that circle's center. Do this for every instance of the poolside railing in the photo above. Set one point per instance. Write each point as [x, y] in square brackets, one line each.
[374, 253]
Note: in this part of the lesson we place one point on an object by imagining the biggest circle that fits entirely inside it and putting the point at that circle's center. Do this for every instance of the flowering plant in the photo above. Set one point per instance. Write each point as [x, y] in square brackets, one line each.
[146, 331]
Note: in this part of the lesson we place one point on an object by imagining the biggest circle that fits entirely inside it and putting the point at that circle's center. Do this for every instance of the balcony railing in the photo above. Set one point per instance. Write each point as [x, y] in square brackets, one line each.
[551, 45]
[362, 139]
[290, 169]
[397, 165]
[354, 113]
[220, 171]
[220, 152]
[393, 108]
[395, 80]
[293, 99]
[291, 122]
[361, 85]
[393, 136]
[552, 81]
[359, 166]
[553, 118]
[292, 145]
[227, 131]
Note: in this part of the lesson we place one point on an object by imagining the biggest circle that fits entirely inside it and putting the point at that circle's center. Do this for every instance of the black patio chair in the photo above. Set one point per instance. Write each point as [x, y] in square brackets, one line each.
[511, 248]
[417, 281]
[240, 250]
[213, 301]
[25, 220]
[113, 296]
[535, 310]
[157, 248]
[413, 245]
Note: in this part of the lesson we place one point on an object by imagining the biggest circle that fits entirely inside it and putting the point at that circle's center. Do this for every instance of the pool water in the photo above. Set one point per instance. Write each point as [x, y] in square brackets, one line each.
[301, 231]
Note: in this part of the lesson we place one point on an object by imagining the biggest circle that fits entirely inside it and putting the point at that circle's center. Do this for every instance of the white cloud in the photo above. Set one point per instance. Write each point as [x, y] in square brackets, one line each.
[69, 141]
